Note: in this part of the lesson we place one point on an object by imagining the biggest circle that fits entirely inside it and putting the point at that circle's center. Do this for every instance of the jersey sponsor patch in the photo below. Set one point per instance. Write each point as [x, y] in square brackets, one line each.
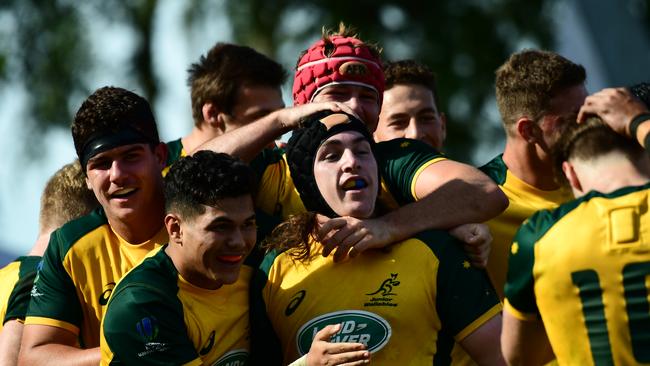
[238, 357]
[356, 326]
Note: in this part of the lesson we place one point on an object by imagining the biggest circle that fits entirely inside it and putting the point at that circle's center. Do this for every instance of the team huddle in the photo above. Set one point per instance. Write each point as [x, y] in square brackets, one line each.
[355, 242]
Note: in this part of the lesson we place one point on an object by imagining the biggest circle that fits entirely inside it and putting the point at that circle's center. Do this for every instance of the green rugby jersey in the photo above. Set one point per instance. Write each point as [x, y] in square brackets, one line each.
[156, 317]
[408, 303]
[82, 263]
[400, 163]
[175, 151]
[585, 268]
[16, 280]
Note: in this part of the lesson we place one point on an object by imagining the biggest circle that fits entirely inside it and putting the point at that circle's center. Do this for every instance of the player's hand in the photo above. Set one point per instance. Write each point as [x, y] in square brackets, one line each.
[351, 236]
[293, 117]
[324, 352]
[477, 242]
[615, 106]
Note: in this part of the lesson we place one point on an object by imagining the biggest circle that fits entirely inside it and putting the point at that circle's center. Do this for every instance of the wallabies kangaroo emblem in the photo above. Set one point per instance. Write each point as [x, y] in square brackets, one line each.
[386, 288]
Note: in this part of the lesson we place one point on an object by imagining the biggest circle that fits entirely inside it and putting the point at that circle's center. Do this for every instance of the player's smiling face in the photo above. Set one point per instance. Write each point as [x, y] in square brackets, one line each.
[127, 180]
[345, 171]
[216, 242]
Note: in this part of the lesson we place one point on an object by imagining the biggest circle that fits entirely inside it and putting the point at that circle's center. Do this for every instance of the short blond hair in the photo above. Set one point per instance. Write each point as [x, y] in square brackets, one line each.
[65, 197]
[528, 80]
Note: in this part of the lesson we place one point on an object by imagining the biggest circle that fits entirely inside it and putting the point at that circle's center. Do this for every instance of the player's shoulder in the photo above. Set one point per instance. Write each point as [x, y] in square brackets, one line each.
[496, 169]
[395, 148]
[155, 274]
[73, 231]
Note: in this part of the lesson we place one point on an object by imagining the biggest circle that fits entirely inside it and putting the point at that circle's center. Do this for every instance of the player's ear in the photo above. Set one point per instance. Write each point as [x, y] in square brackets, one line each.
[174, 229]
[527, 129]
[571, 176]
[211, 115]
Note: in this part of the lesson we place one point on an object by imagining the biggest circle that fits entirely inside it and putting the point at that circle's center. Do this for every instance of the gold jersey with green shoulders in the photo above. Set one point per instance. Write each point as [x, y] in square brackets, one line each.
[156, 317]
[400, 163]
[408, 303]
[585, 268]
[524, 200]
[16, 280]
[82, 263]
[175, 151]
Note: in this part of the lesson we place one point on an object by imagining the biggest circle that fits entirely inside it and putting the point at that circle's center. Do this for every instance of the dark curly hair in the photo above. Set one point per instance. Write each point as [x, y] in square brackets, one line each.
[410, 72]
[203, 179]
[528, 80]
[218, 75]
[109, 110]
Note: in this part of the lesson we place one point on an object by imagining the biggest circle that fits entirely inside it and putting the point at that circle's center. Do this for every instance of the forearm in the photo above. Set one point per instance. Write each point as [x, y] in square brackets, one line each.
[524, 342]
[59, 355]
[249, 140]
[10, 336]
[453, 193]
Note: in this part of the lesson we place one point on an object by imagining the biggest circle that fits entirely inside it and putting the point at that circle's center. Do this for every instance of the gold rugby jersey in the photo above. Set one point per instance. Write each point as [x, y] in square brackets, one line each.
[400, 163]
[585, 267]
[16, 280]
[524, 200]
[81, 265]
[156, 317]
[408, 303]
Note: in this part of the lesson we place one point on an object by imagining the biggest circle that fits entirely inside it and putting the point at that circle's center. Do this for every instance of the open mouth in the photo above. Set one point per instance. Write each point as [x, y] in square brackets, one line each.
[354, 184]
[123, 193]
[230, 258]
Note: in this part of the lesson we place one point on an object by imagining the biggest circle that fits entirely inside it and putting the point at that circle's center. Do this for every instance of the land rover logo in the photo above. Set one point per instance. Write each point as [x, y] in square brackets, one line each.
[356, 326]
[237, 357]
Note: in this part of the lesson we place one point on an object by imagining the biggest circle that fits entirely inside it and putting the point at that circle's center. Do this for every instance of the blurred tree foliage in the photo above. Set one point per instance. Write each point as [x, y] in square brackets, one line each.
[44, 45]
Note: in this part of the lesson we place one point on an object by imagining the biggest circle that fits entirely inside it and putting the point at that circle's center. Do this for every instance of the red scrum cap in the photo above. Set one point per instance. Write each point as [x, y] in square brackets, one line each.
[341, 60]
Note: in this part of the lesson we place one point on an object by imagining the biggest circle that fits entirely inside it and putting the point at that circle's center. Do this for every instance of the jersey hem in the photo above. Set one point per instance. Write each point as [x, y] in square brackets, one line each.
[419, 171]
[518, 314]
[37, 320]
[496, 309]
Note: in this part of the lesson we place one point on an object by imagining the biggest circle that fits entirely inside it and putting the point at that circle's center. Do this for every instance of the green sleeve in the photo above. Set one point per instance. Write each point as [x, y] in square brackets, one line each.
[399, 160]
[144, 326]
[265, 344]
[465, 293]
[54, 295]
[520, 283]
[19, 298]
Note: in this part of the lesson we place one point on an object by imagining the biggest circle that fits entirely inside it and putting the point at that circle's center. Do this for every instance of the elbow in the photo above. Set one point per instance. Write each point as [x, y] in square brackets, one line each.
[498, 200]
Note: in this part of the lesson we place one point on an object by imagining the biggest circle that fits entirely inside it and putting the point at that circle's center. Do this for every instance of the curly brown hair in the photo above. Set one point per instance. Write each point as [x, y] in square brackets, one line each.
[218, 75]
[65, 197]
[295, 233]
[111, 109]
[529, 79]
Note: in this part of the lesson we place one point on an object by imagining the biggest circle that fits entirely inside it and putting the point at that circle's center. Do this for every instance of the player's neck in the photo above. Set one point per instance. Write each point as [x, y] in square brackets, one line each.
[41, 243]
[609, 173]
[141, 227]
[198, 137]
[524, 161]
